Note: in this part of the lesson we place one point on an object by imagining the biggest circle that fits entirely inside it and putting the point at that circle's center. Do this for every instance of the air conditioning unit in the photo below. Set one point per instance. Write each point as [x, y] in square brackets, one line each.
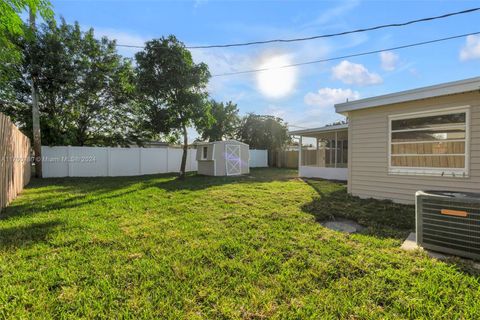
[449, 222]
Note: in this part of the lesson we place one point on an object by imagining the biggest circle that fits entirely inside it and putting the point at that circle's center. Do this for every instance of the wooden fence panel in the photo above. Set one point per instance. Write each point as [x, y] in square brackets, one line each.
[15, 169]
[289, 159]
[283, 159]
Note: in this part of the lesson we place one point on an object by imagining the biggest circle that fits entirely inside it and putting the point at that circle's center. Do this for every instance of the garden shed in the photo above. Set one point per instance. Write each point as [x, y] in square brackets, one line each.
[223, 158]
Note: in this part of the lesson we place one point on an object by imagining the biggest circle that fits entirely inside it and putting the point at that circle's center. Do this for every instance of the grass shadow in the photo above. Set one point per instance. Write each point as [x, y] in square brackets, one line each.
[25, 236]
[65, 193]
[195, 182]
[381, 218]
[72, 192]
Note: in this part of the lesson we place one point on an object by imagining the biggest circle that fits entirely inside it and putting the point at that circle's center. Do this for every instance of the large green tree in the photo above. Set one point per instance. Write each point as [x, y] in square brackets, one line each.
[226, 121]
[263, 132]
[12, 25]
[85, 88]
[172, 89]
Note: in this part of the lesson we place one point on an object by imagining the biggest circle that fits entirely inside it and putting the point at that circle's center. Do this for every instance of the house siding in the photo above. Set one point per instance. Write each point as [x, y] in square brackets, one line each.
[368, 151]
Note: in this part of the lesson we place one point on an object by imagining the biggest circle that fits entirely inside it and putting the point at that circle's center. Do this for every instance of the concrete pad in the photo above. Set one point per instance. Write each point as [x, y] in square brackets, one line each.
[343, 225]
[410, 244]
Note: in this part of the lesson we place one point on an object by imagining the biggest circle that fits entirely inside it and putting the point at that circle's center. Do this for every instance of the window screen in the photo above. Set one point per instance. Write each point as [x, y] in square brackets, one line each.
[429, 144]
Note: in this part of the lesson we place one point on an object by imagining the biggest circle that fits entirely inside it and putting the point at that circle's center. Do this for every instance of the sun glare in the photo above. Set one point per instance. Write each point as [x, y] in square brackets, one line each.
[277, 82]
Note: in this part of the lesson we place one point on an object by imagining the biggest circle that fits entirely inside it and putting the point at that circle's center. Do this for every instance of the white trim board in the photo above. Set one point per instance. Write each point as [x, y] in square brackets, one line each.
[323, 173]
[428, 171]
[467, 85]
[202, 155]
[325, 129]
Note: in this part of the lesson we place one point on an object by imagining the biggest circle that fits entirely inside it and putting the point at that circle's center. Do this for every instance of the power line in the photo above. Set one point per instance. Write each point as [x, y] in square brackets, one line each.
[347, 56]
[391, 25]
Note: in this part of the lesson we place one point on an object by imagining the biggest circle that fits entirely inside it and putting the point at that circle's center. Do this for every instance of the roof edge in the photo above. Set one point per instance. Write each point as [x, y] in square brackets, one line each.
[331, 128]
[460, 86]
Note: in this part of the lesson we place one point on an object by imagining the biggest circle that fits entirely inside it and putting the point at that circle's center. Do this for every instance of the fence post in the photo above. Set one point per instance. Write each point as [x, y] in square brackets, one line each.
[14, 162]
[108, 161]
[68, 161]
[139, 160]
[167, 156]
[300, 152]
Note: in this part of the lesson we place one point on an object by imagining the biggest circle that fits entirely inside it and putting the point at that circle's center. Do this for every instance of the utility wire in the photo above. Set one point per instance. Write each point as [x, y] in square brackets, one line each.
[391, 25]
[347, 56]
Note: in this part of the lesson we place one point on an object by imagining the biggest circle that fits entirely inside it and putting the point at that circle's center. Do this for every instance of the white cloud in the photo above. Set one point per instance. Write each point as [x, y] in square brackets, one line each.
[222, 61]
[353, 73]
[327, 97]
[471, 49]
[320, 107]
[311, 117]
[389, 60]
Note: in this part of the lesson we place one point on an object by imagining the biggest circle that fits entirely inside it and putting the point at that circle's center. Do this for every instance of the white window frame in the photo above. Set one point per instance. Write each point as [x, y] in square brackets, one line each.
[204, 157]
[443, 172]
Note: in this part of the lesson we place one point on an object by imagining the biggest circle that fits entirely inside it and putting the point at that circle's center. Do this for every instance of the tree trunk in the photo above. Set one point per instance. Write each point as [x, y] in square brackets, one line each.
[183, 166]
[37, 140]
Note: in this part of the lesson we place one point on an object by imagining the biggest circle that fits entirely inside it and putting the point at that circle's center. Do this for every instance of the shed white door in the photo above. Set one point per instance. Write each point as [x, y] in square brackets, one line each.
[232, 159]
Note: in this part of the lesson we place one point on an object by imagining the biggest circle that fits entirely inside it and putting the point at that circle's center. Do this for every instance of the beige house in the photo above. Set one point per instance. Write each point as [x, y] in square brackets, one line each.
[421, 139]
[223, 158]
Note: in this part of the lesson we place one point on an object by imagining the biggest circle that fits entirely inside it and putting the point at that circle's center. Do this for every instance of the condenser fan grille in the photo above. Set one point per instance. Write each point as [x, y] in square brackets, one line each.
[449, 222]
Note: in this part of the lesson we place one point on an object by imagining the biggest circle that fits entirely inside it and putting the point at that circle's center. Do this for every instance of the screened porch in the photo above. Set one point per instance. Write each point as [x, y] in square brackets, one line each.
[323, 152]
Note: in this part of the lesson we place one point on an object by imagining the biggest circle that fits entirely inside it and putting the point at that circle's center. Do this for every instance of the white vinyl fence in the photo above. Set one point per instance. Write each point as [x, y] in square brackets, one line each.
[258, 158]
[114, 162]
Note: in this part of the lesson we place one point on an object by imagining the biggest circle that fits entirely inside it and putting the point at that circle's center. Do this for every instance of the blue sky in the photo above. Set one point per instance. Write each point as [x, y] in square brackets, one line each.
[309, 92]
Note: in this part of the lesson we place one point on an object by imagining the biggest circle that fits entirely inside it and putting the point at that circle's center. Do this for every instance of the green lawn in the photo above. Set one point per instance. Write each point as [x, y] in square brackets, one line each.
[216, 248]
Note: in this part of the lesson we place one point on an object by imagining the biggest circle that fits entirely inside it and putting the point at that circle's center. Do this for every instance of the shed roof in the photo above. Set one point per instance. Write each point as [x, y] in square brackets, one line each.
[337, 127]
[443, 89]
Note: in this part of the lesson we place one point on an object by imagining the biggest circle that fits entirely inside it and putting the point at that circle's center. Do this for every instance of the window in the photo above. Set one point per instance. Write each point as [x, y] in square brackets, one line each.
[433, 143]
[204, 153]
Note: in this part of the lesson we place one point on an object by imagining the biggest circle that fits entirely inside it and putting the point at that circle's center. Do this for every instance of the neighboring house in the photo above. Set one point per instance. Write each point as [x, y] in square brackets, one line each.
[421, 139]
